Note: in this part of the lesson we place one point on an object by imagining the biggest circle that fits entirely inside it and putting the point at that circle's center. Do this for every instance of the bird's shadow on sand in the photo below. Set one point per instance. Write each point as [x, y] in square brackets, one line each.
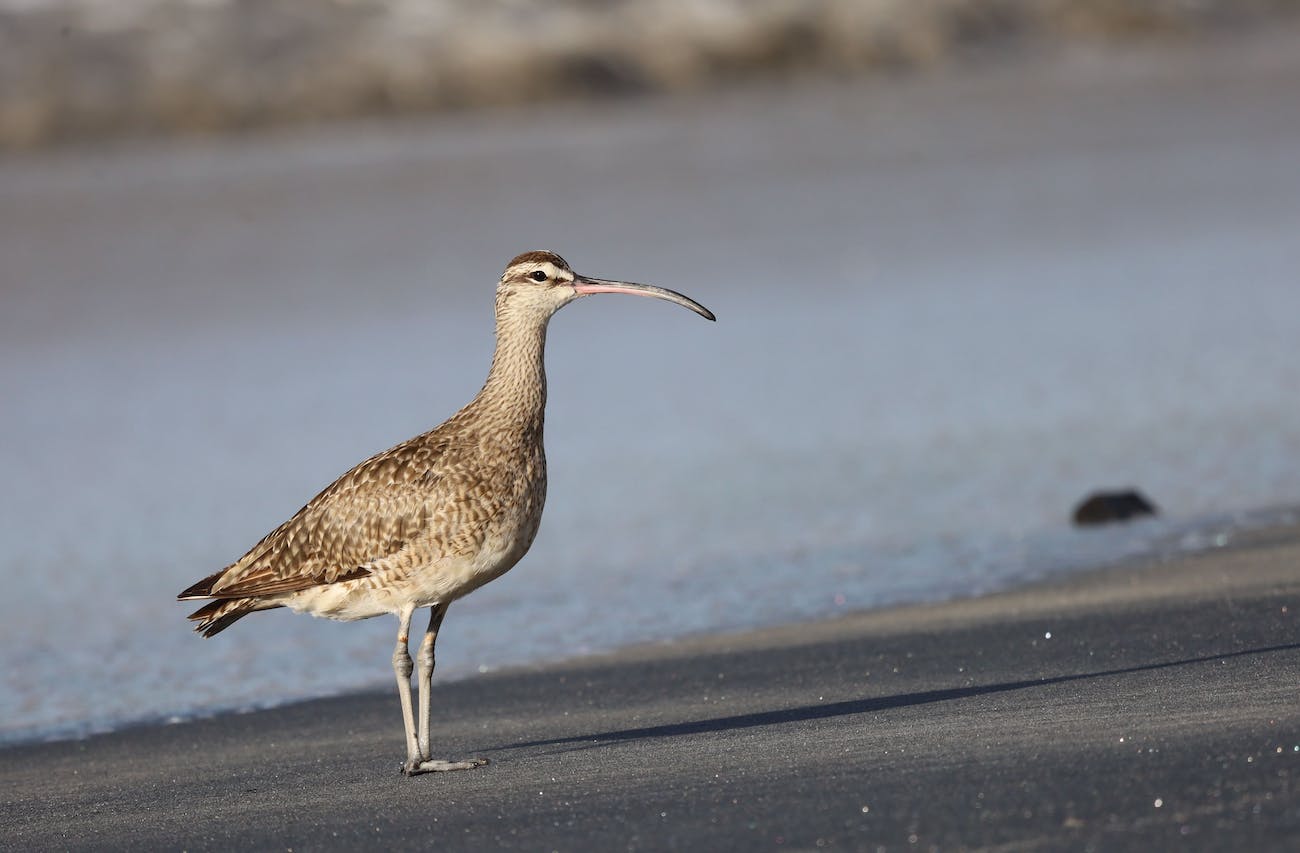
[863, 706]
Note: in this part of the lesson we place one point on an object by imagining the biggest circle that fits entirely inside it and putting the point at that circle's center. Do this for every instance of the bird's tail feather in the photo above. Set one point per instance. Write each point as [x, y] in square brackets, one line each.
[216, 616]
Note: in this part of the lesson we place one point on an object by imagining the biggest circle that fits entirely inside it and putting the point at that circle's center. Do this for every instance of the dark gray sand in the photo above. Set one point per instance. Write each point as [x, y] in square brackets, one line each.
[1152, 706]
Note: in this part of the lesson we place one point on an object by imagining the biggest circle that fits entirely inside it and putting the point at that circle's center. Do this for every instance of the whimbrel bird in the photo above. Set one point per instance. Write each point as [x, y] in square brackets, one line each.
[435, 517]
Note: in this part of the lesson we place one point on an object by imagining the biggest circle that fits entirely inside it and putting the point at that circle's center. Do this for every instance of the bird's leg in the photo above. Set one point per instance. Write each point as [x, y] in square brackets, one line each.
[425, 660]
[402, 670]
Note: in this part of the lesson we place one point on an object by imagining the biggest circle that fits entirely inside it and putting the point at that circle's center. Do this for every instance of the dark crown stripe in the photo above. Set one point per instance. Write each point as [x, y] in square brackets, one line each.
[539, 257]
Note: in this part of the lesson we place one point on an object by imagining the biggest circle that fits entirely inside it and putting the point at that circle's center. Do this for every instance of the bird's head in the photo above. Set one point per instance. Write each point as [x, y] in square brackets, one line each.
[537, 284]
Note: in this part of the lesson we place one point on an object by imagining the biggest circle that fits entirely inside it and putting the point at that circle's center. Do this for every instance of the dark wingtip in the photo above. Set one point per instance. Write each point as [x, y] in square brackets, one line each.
[202, 589]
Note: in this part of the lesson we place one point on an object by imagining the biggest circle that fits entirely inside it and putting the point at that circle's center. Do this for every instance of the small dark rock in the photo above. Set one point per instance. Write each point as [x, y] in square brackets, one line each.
[1109, 507]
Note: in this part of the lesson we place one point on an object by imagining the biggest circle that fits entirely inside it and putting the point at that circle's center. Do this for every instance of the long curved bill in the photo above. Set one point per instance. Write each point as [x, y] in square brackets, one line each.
[585, 285]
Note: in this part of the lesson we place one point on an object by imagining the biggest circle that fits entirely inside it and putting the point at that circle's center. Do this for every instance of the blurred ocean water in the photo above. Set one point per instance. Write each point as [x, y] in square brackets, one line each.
[948, 308]
[92, 69]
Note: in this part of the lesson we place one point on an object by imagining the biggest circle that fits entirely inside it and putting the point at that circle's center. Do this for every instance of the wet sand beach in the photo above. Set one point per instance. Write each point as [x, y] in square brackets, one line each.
[1138, 707]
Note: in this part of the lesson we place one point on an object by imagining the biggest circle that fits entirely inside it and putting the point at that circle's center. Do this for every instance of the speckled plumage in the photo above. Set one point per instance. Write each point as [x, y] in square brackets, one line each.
[435, 517]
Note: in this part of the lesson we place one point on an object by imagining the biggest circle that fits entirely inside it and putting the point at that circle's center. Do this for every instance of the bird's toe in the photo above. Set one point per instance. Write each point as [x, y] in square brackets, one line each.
[434, 765]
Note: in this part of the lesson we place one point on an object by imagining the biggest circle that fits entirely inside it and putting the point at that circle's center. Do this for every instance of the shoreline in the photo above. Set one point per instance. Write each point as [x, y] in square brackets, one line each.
[1124, 707]
[1243, 529]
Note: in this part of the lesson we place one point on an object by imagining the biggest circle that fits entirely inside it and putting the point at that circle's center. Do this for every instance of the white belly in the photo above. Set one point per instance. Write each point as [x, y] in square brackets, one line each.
[447, 580]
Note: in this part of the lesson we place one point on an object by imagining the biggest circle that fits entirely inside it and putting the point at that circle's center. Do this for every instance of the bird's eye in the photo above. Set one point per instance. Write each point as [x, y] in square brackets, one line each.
[537, 275]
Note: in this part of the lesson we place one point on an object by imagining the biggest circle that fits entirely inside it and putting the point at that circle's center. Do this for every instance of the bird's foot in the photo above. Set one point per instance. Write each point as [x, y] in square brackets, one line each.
[416, 766]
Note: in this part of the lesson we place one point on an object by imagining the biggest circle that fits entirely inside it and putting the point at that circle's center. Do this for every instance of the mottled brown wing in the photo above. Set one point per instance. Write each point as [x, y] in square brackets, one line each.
[369, 514]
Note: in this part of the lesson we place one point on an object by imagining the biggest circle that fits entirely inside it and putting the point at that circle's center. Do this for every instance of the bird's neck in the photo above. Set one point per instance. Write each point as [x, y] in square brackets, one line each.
[515, 390]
